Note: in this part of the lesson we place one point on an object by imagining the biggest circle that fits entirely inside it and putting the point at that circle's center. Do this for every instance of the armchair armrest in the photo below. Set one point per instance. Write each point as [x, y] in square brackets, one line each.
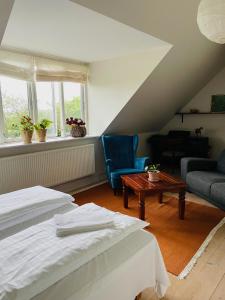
[109, 165]
[141, 162]
[189, 164]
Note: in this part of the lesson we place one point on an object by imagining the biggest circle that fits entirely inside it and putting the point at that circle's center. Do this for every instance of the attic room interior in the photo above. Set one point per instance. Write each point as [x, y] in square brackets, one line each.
[112, 150]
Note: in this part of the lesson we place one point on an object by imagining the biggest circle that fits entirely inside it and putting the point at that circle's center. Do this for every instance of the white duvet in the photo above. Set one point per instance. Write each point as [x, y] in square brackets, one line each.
[25, 200]
[34, 259]
[26, 204]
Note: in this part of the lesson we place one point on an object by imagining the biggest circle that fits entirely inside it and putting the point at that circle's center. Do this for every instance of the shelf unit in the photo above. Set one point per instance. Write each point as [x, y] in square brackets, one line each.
[182, 114]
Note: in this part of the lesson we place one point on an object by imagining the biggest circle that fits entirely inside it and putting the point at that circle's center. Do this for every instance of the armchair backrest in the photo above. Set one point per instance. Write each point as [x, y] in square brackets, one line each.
[121, 149]
[221, 162]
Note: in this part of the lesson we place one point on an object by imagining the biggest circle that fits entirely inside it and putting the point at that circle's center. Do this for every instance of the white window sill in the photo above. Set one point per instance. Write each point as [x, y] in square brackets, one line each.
[50, 140]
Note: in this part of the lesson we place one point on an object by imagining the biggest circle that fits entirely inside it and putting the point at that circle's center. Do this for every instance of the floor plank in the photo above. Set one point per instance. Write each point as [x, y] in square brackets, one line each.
[219, 293]
[206, 281]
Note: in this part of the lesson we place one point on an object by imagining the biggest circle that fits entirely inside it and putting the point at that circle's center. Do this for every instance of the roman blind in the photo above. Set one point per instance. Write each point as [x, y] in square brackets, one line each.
[53, 70]
[16, 65]
[34, 68]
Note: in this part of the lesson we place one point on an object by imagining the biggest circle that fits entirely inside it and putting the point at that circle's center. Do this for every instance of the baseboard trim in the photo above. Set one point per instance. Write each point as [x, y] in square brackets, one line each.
[88, 187]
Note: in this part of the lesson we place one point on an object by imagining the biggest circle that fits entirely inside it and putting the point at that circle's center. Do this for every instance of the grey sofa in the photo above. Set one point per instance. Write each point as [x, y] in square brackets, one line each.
[206, 178]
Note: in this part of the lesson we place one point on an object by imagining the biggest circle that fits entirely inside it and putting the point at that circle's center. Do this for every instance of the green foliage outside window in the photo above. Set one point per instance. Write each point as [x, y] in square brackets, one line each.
[14, 108]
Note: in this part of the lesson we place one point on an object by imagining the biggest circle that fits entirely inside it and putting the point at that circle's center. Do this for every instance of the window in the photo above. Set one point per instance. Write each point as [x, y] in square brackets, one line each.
[14, 104]
[72, 100]
[46, 104]
[51, 100]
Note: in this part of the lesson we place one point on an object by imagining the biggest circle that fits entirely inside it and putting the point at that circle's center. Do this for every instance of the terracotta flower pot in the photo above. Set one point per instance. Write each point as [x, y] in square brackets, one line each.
[41, 135]
[153, 176]
[78, 131]
[27, 136]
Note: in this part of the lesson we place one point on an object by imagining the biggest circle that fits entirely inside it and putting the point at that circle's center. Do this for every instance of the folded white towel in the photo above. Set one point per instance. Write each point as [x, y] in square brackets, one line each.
[68, 224]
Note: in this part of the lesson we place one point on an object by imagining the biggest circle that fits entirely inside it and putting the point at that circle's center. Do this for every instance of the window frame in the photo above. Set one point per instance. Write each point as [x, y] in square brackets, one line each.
[33, 109]
[2, 126]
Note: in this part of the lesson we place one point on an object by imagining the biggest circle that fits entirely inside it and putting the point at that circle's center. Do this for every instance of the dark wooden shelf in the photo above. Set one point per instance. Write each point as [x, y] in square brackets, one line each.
[182, 114]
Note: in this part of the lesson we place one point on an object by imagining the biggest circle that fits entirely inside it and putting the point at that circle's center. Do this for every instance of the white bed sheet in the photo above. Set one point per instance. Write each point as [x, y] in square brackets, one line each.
[37, 216]
[120, 273]
[34, 259]
[27, 207]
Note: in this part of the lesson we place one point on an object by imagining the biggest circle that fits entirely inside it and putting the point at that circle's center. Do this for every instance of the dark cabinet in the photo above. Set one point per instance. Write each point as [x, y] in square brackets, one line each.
[171, 148]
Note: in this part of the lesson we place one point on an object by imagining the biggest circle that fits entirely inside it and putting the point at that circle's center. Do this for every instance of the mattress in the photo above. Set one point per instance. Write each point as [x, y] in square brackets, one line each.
[120, 273]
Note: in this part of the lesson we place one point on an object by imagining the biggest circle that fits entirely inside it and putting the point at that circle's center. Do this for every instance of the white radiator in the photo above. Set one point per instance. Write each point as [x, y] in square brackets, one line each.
[47, 168]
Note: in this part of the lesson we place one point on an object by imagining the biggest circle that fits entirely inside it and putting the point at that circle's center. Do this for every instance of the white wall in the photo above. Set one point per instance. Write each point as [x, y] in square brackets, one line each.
[143, 146]
[214, 125]
[113, 82]
[190, 64]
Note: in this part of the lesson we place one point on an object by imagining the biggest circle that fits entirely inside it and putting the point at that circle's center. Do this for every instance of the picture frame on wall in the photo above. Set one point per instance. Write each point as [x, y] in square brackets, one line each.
[218, 103]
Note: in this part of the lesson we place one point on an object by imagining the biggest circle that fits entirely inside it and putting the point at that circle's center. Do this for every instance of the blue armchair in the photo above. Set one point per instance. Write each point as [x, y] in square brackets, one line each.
[120, 158]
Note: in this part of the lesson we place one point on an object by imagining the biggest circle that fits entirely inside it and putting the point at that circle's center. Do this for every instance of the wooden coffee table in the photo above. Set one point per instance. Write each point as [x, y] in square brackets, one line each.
[142, 187]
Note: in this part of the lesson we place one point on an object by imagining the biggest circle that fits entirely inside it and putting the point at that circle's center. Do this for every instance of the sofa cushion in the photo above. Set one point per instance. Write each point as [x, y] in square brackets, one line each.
[201, 181]
[221, 162]
[218, 194]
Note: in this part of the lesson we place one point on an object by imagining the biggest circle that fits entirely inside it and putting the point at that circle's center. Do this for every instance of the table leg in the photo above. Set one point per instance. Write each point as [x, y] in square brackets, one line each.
[141, 206]
[161, 198]
[138, 297]
[125, 196]
[181, 204]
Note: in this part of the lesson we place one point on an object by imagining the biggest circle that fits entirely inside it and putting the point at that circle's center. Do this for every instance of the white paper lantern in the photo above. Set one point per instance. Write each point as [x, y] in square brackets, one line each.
[211, 20]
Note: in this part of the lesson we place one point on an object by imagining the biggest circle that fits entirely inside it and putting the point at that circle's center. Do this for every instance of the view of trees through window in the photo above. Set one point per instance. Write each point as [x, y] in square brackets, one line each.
[48, 101]
[15, 104]
[52, 98]
[72, 103]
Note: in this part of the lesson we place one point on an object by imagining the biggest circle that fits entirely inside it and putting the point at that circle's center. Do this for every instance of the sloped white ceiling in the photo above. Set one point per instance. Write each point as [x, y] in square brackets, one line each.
[64, 29]
[5, 10]
[191, 63]
[112, 83]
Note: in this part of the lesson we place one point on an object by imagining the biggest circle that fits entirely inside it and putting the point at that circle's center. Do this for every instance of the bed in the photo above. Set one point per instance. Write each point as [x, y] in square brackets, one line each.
[119, 270]
[30, 206]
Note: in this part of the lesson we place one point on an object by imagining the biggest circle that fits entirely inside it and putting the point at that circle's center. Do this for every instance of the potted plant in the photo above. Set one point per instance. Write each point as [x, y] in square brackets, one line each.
[77, 127]
[153, 172]
[26, 127]
[41, 129]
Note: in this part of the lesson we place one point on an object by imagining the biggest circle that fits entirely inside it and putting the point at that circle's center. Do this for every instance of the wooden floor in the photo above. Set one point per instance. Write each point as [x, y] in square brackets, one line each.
[206, 281]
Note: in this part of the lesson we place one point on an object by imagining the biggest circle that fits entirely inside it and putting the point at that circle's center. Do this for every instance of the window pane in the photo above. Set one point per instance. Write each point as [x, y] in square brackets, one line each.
[72, 101]
[45, 103]
[58, 108]
[15, 104]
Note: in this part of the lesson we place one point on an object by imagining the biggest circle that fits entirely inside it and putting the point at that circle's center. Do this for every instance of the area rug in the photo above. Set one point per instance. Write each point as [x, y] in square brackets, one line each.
[179, 240]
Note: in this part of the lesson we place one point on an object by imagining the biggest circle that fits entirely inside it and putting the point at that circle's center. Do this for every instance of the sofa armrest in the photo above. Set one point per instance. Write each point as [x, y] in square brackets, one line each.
[141, 162]
[189, 164]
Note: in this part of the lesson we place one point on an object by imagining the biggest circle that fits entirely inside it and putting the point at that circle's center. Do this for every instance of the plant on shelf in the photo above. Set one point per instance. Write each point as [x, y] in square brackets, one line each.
[153, 172]
[41, 129]
[77, 127]
[26, 127]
